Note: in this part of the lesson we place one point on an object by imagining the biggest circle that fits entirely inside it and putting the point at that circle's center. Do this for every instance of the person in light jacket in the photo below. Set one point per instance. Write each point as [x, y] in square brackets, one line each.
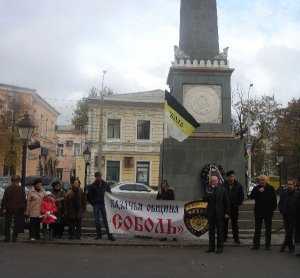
[33, 210]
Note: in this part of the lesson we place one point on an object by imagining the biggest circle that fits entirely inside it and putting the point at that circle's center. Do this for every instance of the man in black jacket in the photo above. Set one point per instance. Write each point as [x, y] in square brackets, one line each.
[265, 205]
[95, 196]
[287, 207]
[217, 211]
[236, 197]
[297, 220]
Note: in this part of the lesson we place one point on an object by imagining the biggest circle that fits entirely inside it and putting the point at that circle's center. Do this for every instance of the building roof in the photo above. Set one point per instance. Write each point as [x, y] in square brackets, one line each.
[154, 96]
[36, 96]
[68, 129]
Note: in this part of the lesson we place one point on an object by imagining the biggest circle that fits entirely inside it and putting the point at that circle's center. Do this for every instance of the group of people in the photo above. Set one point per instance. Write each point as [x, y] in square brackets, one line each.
[56, 209]
[224, 200]
[52, 210]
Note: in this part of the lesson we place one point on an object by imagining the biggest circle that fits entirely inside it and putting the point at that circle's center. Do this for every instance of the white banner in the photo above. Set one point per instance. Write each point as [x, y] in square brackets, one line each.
[155, 218]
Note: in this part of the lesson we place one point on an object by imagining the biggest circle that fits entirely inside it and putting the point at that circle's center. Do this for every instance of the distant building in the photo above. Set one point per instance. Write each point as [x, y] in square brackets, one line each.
[131, 137]
[15, 101]
[70, 146]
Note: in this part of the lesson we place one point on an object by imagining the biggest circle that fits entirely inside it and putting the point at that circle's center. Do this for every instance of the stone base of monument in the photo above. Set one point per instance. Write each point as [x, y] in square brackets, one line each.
[182, 162]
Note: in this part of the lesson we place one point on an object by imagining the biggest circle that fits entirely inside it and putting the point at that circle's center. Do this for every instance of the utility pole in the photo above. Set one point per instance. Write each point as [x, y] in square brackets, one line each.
[249, 143]
[100, 144]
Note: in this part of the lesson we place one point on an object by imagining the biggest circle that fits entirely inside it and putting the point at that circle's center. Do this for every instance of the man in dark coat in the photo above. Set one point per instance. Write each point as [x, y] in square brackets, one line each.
[265, 205]
[96, 193]
[297, 220]
[217, 211]
[236, 197]
[287, 207]
[75, 206]
[13, 207]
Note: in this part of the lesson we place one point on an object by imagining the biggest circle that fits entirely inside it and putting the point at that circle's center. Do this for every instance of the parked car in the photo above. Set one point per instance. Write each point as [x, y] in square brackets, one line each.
[134, 190]
[1, 193]
[251, 186]
[4, 182]
[47, 181]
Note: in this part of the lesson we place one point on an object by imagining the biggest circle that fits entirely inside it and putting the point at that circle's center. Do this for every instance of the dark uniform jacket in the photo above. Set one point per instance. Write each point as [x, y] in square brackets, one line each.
[218, 203]
[288, 203]
[235, 193]
[96, 192]
[75, 204]
[166, 195]
[59, 201]
[13, 200]
[265, 202]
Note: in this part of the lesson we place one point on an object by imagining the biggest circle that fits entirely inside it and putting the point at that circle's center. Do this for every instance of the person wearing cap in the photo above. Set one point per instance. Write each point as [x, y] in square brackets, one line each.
[96, 193]
[75, 207]
[33, 209]
[48, 217]
[297, 220]
[217, 211]
[265, 199]
[236, 197]
[13, 206]
[287, 207]
[59, 196]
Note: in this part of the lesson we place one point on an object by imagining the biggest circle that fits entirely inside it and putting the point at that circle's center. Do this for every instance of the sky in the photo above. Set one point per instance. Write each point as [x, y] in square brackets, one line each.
[61, 47]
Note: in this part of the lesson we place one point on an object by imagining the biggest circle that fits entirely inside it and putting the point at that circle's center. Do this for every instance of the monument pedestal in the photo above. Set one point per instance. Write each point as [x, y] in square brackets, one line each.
[183, 162]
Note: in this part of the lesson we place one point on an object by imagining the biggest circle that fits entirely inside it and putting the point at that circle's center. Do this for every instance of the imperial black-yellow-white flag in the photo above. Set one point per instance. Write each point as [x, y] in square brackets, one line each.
[180, 123]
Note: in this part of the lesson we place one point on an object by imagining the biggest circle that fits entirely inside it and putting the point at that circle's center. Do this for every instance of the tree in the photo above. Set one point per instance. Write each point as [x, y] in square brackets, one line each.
[80, 115]
[287, 137]
[12, 108]
[259, 116]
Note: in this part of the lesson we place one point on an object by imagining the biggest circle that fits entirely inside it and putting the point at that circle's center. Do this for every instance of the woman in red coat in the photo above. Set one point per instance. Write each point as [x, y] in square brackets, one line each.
[48, 211]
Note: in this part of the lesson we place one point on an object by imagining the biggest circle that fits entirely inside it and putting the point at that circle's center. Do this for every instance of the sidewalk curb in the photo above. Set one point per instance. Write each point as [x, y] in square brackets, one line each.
[134, 244]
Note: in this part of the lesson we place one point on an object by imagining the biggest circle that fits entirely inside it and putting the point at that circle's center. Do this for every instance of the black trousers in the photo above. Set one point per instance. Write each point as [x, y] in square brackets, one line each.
[35, 228]
[216, 225]
[259, 219]
[58, 229]
[297, 230]
[234, 218]
[289, 227]
[75, 228]
[17, 219]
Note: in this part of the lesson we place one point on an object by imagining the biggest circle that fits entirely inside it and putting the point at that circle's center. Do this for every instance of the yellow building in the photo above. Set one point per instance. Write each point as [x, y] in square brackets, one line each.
[131, 136]
[70, 146]
[16, 101]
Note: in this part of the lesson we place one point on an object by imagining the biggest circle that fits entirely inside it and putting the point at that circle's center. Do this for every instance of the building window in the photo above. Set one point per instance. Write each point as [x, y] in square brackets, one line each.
[143, 130]
[77, 149]
[69, 143]
[113, 129]
[59, 173]
[60, 150]
[113, 171]
[143, 172]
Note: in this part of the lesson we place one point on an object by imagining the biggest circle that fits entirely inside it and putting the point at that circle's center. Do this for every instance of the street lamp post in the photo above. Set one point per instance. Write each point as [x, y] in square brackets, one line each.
[100, 145]
[25, 127]
[279, 163]
[87, 157]
[249, 144]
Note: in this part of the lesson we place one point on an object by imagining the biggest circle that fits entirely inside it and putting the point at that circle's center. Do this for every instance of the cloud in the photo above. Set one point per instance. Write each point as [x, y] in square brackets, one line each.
[61, 47]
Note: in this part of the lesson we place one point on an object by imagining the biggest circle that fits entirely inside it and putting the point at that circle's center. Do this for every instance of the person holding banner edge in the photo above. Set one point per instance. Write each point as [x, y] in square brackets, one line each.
[95, 196]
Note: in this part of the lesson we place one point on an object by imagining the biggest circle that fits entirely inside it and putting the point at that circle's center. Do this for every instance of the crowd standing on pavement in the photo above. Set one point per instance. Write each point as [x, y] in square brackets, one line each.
[55, 210]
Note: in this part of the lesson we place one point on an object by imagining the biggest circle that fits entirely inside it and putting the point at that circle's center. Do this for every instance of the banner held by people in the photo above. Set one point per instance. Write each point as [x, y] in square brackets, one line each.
[180, 123]
[156, 218]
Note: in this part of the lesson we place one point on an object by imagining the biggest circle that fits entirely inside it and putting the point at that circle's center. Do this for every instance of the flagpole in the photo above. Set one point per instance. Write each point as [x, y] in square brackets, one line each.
[163, 154]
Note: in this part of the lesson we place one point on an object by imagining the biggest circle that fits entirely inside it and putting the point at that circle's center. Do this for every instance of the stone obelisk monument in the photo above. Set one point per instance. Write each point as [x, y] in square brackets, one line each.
[200, 78]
